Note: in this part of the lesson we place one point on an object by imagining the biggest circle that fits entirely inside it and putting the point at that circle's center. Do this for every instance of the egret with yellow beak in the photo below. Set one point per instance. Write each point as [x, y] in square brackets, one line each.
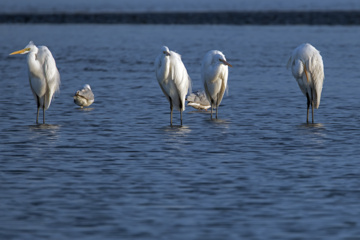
[44, 77]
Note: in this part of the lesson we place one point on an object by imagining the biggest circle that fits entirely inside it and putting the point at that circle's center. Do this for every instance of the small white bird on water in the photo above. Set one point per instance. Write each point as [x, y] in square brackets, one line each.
[173, 79]
[308, 69]
[214, 74]
[198, 100]
[44, 77]
[84, 97]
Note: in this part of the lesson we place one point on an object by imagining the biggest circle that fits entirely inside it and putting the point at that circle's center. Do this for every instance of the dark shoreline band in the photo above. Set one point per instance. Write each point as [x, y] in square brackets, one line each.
[228, 18]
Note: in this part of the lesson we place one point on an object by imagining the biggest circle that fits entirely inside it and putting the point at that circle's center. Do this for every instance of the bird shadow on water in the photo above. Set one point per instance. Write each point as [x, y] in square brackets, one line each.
[44, 126]
[84, 109]
[311, 126]
[315, 133]
[49, 131]
[199, 111]
[219, 121]
[178, 129]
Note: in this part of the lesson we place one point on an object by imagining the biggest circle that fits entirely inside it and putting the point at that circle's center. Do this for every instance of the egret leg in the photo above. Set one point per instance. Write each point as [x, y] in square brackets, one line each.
[38, 109]
[37, 115]
[308, 106]
[44, 110]
[211, 109]
[217, 106]
[312, 106]
[180, 111]
[171, 112]
[181, 117]
[312, 111]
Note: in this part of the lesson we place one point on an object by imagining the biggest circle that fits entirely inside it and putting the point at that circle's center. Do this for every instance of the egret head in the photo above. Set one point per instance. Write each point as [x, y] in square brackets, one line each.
[165, 50]
[222, 60]
[26, 50]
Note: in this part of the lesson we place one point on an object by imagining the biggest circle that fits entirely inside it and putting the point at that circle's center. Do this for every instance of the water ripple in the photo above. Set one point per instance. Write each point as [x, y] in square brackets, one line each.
[118, 169]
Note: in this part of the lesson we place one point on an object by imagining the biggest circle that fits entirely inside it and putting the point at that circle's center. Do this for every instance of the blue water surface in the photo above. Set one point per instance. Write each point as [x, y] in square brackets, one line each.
[117, 170]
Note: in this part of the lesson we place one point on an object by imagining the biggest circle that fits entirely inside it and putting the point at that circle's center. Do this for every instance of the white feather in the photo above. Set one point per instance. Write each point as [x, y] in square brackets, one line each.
[312, 83]
[173, 78]
[214, 74]
[44, 77]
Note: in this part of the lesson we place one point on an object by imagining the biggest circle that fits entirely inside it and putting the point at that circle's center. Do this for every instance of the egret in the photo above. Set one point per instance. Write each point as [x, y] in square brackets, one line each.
[308, 69]
[84, 97]
[173, 79]
[214, 74]
[198, 100]
[44, 77]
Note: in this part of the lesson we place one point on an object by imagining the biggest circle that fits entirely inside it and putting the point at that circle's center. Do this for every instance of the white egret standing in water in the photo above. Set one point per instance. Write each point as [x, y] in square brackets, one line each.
[44, 77]
[84, 97]
[214, 74]
[308, 69]
[173, 79]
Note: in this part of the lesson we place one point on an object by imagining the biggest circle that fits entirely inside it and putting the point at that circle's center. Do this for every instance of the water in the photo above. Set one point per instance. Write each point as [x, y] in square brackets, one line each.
[117, 170]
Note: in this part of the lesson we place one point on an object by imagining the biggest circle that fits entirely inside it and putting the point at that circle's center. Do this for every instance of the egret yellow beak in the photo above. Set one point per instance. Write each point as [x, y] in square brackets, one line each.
[166, 53]
[225, 62]
[20, 51]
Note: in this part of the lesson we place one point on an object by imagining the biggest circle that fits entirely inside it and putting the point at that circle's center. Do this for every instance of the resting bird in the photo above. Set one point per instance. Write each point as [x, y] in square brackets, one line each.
[173, 79]
[84, 97]
[198, 100]
[308, 69]
[44, 77]
[214, 74]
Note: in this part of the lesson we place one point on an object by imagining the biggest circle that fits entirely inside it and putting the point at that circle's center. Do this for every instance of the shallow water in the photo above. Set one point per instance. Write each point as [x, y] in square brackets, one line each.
[117, 170]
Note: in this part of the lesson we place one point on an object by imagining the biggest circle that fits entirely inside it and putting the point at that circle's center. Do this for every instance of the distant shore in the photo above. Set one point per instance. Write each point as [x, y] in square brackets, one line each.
[228, 18]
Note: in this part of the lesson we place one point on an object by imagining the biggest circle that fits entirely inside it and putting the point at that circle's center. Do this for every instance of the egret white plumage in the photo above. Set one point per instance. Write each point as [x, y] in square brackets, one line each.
[214, 74]
[44, 77]
[84, 97]
[198, 100]
[308, 69]
[173, 79]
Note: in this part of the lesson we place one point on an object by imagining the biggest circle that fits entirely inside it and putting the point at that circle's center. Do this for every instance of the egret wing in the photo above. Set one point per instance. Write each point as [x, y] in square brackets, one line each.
[316, 68]
[181, 79]
[179, 74]
[212, 75]
[51, 73]
[223, 88]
